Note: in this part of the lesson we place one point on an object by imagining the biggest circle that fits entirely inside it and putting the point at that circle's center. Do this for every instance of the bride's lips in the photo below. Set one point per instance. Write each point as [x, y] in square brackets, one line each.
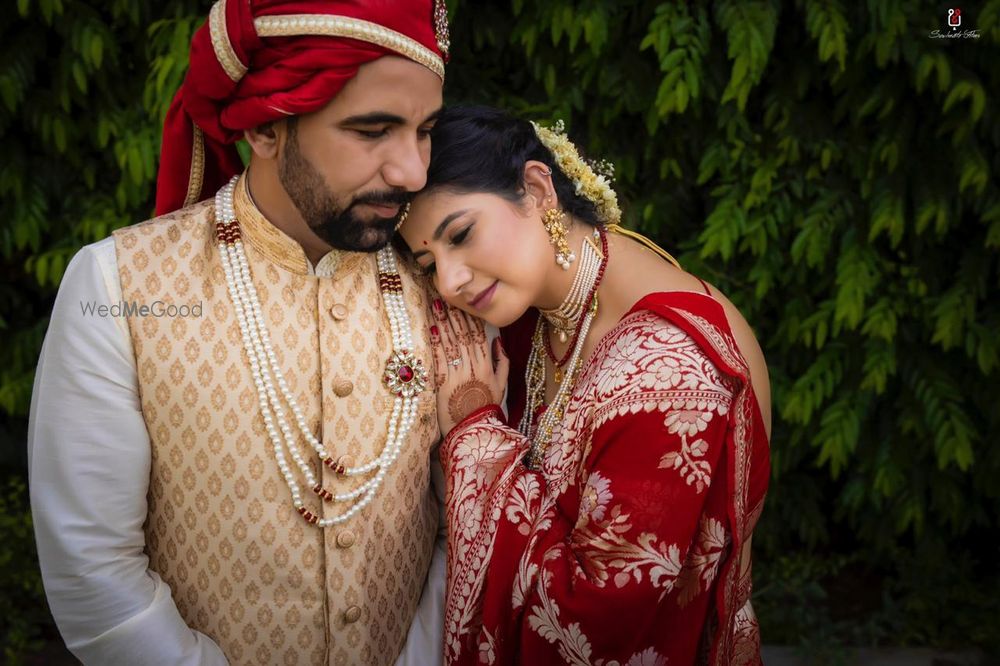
[484, 297]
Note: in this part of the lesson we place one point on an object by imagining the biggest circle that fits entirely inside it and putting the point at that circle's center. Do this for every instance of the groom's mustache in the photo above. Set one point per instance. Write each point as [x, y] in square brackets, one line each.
[398, 197]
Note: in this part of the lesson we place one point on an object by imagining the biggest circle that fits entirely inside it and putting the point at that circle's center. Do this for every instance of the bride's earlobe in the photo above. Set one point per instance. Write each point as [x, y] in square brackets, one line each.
[538, 183]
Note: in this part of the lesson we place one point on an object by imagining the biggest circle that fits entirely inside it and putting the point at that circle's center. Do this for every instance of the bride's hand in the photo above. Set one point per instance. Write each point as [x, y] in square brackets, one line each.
[468, 375]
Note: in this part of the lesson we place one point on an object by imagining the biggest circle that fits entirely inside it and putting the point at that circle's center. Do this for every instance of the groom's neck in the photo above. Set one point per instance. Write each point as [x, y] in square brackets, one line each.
[272, 200]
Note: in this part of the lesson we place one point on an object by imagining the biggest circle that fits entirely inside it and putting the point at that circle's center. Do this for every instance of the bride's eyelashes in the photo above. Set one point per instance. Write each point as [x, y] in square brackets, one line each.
[459, 238]
[462, 235]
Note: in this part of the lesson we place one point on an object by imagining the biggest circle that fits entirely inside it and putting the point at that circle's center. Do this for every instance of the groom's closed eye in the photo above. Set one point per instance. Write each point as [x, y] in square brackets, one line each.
[377, 125]
[373, 134]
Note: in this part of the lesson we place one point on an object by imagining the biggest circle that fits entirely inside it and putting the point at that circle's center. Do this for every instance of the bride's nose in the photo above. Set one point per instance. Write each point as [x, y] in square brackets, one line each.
[452, 277]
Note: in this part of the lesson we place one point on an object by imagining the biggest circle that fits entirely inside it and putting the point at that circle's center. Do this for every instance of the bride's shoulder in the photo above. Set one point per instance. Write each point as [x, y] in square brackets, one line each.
[750, 349]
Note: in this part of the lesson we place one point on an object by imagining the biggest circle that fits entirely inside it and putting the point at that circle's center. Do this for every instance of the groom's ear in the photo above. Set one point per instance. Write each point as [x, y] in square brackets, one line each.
[263, 140]
[538, 185]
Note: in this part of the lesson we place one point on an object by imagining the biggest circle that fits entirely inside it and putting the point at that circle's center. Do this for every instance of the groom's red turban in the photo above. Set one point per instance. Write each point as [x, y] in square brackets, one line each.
[256, 61]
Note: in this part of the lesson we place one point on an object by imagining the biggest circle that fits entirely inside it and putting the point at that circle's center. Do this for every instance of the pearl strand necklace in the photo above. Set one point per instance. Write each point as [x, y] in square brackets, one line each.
[535, 372]
[547, 424]
[566, 316]
[404, 376]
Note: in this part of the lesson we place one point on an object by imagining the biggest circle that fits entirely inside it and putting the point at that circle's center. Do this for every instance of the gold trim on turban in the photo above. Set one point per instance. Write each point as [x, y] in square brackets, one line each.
[197, 174]
[224, 51]
[344, 26]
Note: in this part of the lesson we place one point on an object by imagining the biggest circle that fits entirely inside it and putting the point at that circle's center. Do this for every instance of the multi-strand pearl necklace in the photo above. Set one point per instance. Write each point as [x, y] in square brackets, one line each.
[535, 372]
[405, 376]
[565, 318]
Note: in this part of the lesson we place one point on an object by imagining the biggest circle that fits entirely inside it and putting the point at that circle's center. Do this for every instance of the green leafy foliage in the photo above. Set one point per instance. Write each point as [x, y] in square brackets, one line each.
[827, 164]
[23, 612]
[83, 90]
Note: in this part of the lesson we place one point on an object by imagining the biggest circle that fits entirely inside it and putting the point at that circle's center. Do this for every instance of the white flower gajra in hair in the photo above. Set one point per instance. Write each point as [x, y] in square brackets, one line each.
[592, 179]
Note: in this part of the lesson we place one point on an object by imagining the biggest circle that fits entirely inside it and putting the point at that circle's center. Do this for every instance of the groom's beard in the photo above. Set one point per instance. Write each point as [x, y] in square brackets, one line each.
[335, 224]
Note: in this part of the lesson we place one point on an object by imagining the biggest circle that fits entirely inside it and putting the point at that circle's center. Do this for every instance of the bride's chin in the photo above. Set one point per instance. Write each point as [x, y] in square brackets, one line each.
[500, 320]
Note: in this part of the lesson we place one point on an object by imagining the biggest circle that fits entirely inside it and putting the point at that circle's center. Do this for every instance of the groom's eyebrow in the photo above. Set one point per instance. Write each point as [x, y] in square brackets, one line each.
[432, 118]
[384, 118]
[374, 118]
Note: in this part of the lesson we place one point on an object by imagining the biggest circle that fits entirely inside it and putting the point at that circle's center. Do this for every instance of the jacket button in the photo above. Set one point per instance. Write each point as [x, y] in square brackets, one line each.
[345, 539]
[352, 615]
[339, 311]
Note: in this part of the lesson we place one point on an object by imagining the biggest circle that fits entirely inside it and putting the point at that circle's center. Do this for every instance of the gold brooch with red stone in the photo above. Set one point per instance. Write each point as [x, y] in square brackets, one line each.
[405, 375]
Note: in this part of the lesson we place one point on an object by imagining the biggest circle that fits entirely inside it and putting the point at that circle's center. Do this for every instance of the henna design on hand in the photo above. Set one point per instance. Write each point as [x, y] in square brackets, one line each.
[467, 398]
[479, 333]
[461, 328]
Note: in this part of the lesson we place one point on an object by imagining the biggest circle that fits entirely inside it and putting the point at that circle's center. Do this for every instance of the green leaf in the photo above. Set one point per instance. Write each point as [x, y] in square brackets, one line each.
[750, 28]
[838, 433]
[967, 90]
[97, 50]
[975, 173]
[879, 366]
[827, 24]
[881, 320]
[59, 134]
[857, 277]
[723, 229]
[888, 216]
[813, 387]
[673, 59]
[80, 76]
[954, 311]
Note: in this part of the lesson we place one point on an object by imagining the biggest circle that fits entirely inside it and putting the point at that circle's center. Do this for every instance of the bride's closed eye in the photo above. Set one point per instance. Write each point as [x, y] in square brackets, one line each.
[462, 235]
[457, 239]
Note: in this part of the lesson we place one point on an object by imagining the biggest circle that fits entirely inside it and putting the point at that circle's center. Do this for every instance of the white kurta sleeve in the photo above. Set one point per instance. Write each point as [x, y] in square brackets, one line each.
[89, 466]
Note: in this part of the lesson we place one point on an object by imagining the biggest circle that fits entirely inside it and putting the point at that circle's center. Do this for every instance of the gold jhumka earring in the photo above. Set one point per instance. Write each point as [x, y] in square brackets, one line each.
[556, 229]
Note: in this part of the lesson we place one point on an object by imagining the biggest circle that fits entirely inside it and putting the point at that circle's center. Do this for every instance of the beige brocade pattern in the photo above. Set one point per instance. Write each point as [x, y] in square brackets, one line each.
[243, 567]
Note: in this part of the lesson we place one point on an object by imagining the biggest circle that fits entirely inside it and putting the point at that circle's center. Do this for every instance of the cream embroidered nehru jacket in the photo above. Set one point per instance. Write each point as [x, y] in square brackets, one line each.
[243, 567]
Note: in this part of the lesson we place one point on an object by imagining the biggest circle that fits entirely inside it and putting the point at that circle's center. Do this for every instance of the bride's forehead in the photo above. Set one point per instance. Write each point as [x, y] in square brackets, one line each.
[434, 205]
[442, 201]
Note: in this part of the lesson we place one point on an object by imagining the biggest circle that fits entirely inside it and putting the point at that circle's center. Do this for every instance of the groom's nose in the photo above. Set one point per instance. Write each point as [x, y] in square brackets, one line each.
[406, 165]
